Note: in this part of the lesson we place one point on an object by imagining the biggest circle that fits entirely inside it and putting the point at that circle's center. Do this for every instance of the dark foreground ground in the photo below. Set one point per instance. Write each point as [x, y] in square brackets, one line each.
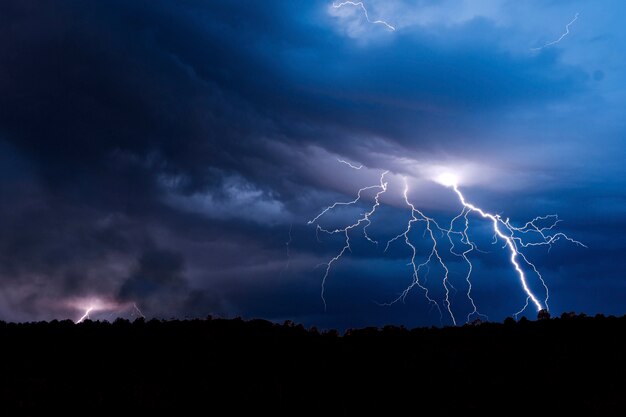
[225, 367]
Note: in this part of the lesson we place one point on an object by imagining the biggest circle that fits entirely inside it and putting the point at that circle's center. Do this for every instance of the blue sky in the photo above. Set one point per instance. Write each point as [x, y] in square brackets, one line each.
[158, 153]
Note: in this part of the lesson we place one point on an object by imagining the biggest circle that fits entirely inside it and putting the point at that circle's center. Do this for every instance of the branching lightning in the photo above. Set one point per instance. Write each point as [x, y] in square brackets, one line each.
[538, 232]
[512, 241]
[471, 246]
[362, 6]
[364, 219]
[431, 226]
[554, 42]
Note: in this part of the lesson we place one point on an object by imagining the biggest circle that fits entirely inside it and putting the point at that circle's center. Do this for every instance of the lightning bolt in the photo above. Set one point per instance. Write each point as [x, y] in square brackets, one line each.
[95, 304]
[362, 6]
[363, 220]
[138, 311]
[471, 246]
[349, 164]
[505, 231]
[554, 42]
[539, 231]
[418, 216]
[86, 315]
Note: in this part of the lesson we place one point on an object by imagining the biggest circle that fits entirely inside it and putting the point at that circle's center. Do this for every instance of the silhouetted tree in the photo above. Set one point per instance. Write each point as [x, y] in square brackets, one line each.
[543, 314]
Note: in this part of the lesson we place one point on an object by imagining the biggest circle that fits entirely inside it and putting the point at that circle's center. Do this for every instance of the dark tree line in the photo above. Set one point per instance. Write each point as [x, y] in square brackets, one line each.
[572, 364]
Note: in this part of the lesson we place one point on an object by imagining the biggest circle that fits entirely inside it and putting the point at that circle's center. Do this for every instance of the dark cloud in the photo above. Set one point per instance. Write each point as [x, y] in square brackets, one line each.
[158, 284]
[119, 92]
[158, 271]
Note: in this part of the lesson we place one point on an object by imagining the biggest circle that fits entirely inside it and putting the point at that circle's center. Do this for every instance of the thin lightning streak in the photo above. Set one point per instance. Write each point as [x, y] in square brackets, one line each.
[86, 315]
[348, 203]
[554, 42]
[362, 6]
[546, 239]
[364, 219]
[471, 247]
[429, 221]
[417, 268]
[523, 308]
[349, 164]
[138, 311]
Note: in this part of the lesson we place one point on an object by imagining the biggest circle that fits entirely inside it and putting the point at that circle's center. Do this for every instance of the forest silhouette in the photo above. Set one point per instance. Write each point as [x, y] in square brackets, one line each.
[573, 363]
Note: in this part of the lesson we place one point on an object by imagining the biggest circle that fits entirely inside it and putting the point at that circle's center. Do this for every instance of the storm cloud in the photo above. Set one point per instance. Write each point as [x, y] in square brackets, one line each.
[159, 152]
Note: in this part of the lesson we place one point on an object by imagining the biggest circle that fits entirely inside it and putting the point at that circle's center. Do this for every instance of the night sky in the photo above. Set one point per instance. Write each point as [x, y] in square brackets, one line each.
[169, 154]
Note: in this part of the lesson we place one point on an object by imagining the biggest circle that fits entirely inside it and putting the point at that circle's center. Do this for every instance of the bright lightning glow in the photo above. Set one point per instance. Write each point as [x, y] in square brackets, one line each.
[537, 232]
[560, 37]
[447, 179]
[86, 315]
[362, 6]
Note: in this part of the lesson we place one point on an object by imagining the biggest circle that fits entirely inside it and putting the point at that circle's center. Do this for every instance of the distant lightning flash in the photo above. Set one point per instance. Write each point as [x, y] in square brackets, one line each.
[362, 6]
[86, 315]
[541, 229]
[554, 42]
[138, 312]
[92, 305]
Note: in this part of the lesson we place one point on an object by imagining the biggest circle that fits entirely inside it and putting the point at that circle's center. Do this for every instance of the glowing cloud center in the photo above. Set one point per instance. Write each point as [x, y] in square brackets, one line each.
[447, 179]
